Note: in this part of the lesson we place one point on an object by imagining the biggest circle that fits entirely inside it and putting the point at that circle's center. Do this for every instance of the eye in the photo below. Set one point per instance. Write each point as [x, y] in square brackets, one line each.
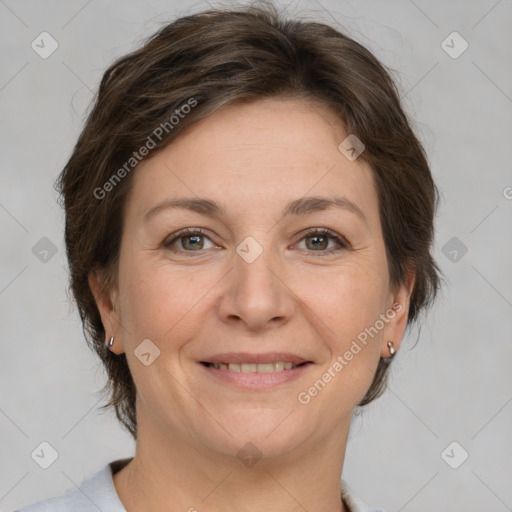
[318, 239]
[189, 240]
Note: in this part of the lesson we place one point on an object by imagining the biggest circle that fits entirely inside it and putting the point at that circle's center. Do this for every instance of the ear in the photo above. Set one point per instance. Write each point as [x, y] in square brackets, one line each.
[106, 303]
[397, 312]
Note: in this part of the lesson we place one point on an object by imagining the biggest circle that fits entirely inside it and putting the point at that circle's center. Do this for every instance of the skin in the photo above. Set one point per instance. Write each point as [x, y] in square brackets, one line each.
[191, 303]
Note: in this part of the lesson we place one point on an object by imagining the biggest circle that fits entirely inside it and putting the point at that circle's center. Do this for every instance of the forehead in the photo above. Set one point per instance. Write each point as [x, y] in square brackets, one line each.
[261, 153]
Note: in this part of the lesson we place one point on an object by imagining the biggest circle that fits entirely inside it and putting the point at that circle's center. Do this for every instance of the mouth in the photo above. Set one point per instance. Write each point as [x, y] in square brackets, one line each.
[277, 366]
[255, 371]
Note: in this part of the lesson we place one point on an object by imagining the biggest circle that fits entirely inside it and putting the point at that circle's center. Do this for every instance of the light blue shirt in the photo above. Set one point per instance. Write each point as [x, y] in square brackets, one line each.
[99, 493]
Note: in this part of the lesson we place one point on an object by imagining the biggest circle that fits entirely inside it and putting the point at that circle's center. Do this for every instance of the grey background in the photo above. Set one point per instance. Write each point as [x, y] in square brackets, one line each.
[453, 385]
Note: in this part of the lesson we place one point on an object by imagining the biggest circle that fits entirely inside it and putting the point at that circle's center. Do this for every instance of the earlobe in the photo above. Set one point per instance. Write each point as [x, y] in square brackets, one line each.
[395, 330]
[105, 305]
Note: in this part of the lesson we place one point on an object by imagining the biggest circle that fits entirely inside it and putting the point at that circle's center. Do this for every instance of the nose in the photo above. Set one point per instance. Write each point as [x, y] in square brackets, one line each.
[256, 294]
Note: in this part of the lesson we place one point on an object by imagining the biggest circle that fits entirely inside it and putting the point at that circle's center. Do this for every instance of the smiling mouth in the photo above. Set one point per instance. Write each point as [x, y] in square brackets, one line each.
[278, 366]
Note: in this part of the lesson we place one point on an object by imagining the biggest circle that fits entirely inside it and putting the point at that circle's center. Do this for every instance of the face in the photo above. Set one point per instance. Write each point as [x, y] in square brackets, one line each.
[277, 257]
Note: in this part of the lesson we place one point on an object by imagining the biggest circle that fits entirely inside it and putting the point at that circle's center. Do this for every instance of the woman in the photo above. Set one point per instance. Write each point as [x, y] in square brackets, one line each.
[249, 219]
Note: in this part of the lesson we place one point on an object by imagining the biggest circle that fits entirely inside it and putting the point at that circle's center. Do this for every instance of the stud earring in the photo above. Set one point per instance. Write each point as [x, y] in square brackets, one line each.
[392, 350]
[110, 342]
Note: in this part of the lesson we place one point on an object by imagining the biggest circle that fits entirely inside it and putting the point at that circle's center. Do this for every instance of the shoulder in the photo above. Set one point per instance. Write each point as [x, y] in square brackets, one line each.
[353, 503]
[96, 492]
[66, 502]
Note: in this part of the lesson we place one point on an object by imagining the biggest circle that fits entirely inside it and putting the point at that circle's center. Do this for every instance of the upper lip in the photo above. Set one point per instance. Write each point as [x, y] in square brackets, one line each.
[252, 358]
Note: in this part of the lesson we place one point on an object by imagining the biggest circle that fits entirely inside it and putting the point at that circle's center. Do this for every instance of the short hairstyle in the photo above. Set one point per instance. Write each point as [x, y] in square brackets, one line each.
[191, 68]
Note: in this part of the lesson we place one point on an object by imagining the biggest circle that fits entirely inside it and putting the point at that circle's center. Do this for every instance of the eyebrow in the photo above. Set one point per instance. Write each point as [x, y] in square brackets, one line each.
[301, 206]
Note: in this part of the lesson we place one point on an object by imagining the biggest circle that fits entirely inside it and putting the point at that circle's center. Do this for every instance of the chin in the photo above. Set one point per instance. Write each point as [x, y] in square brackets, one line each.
[257, 432]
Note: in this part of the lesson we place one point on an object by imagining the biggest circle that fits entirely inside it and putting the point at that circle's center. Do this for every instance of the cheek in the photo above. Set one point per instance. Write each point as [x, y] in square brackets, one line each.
[161, 303]
[347, 300]
[353, 305]
[158, 306]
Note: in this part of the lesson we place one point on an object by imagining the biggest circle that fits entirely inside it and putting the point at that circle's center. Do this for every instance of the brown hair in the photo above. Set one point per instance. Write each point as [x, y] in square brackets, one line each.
[208, 61]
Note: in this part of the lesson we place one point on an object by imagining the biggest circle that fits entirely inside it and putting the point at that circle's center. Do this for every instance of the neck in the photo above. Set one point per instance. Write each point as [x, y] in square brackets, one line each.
[172, 472]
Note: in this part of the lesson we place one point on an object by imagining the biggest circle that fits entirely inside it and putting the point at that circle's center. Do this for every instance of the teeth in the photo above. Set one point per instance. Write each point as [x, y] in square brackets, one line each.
[255, 368]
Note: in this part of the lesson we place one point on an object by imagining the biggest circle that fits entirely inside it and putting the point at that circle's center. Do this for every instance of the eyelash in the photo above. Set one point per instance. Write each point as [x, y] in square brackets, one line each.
[331, 235]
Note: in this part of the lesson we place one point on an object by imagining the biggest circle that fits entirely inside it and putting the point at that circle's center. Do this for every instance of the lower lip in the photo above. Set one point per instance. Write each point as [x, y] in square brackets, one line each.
[254, 380]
